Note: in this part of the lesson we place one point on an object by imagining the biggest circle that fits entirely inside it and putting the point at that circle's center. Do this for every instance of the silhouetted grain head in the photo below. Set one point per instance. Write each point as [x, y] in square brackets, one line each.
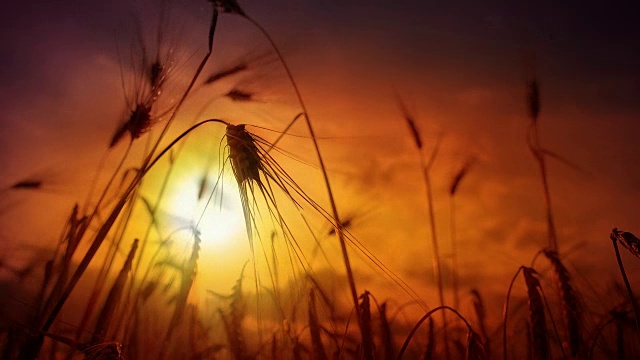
[224, 73]
[148, 290]
[569, 301]
[409, 119]
[157, 75]
[475, 348]
[246, 162]
[138, 123]
[533, 99]
[431, 341]
[239, 95]
[385, 333]
[537, 318]
[233, 320]
[113, 298]
[314, 329]
[202, 186]
[478, 306]
[460, 175]
[345, 222]
[256, 173]
[188, 273]
[365, 320]
[627, 240]
[229, 6]
[27, 185]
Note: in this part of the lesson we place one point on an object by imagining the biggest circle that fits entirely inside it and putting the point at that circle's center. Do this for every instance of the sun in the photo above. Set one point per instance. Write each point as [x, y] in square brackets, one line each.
[217, 213]
[224, 247]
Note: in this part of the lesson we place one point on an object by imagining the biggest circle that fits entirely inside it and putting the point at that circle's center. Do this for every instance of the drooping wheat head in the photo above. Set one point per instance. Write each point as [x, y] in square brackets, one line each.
[319, 352]
[481, 315]
[537, 319]
[570, 307]
[631, 243]
[367, 328]
[229, 6]
[475, 347]
[233, 321]
[627, 240]
[108, 311]
[386, 333]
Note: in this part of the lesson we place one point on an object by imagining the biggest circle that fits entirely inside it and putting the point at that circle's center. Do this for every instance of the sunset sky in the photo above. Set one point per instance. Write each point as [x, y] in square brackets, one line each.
[460, 69]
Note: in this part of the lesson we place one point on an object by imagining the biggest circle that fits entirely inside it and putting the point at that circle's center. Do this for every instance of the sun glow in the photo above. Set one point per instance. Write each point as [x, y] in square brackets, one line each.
[217, 214]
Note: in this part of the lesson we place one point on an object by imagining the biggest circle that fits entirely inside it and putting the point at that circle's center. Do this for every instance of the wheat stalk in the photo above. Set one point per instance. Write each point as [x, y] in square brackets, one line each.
[314, 328]
[537, 318]
[385, 332]
[481, 315]
[453, 188]
[569, 301]
[113, 298]
[427, 316]
[533, 140]
[426, 165]
[630, 242]
[232, 7]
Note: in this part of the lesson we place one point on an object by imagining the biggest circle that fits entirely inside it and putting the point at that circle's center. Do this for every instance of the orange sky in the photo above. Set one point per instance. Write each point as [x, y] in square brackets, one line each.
[459, 69]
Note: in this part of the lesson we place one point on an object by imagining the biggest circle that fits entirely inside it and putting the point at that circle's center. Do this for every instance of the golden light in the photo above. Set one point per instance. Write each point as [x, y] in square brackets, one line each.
[217, 214]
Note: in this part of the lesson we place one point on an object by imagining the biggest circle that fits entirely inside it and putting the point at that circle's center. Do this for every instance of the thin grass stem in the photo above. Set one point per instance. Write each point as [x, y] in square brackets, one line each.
[422, 319]
[632, 298]
[334, 208]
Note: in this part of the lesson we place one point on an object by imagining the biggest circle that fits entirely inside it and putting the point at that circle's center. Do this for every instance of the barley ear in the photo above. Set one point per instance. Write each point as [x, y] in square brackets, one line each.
[113, 299]
[385, 331]
[569, 300]
[630, 242]
[481, 315]
[431, 341]
[314, 328]
[533, 99]
[475, 349]
[366, 328]
[537, 319]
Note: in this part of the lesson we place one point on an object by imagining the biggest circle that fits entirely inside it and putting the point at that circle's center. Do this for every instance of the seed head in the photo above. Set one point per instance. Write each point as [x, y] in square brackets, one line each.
[239, 95]
[627, 240]
[245, 159]
[27, 184]
[534, 100]
[537, 320]
[157, 75]
[226, 73]
[460, 175]
[229, 6]
[139, 122]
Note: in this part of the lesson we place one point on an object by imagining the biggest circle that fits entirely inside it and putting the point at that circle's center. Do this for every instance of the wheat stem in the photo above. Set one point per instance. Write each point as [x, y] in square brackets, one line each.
[632, 298]
[505, 314]
[422, 319]
[334, 208]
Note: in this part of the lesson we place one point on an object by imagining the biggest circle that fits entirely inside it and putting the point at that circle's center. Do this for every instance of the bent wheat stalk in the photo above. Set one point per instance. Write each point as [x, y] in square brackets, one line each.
[423, 319]
[569, 301]
[533, 140]
[231, 6]
[455, 270]
[426, 165]
[537, 328]
[631, 243]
